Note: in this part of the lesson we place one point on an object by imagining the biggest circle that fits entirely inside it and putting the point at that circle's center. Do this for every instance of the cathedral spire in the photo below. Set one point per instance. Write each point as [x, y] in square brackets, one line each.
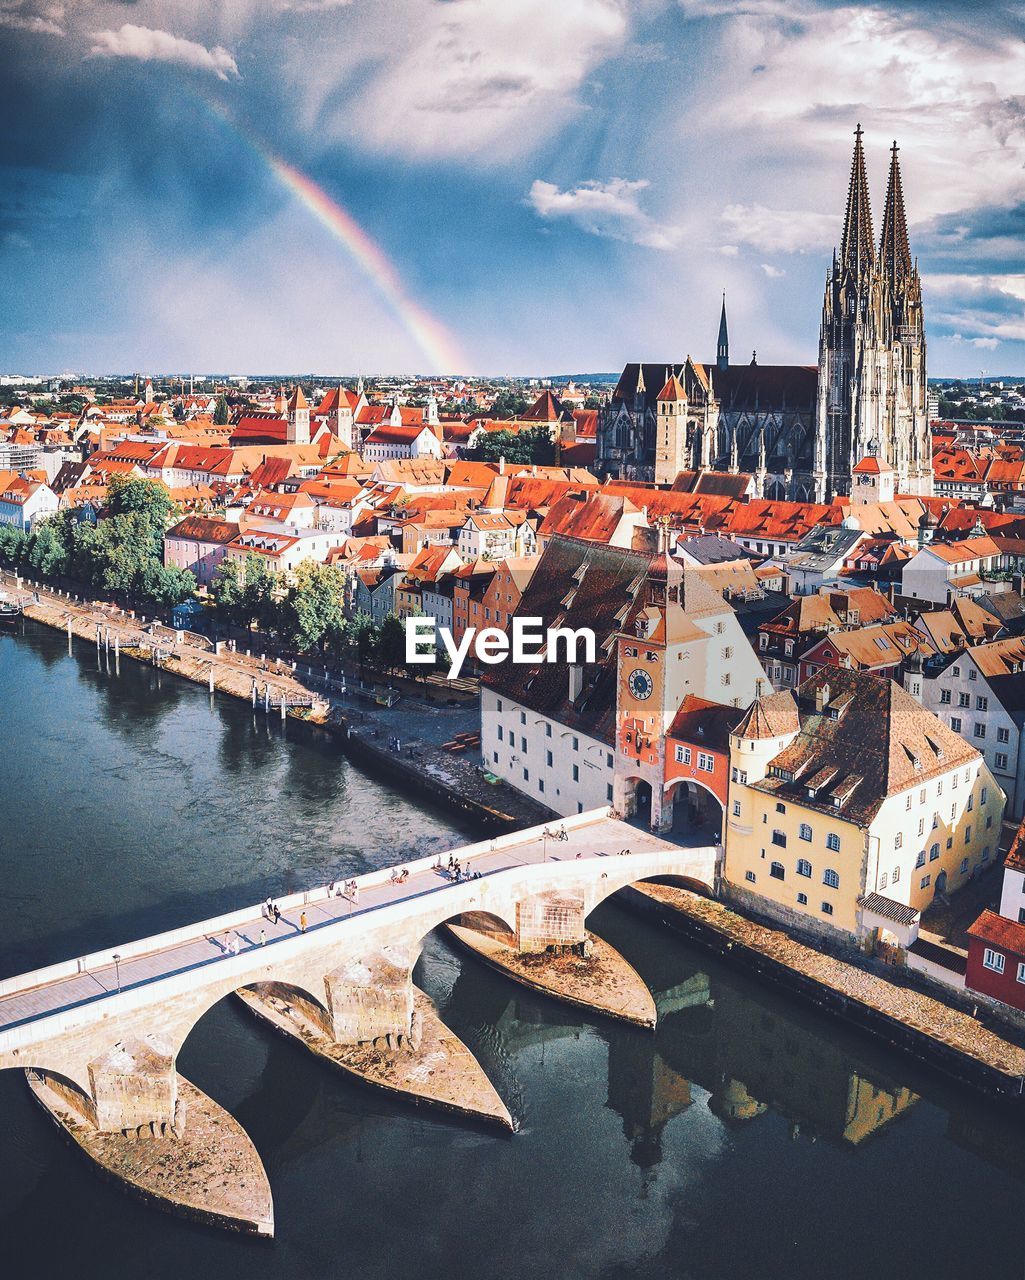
[857, 250]
[894, 252]
[722, 347]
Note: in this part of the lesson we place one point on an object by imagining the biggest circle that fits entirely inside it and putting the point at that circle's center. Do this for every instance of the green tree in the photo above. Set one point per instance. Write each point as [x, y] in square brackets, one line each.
[534, 445]
[13, 543]
[312, 609]
[509, 403]
[221, 412]
[391, 643]
[165, 585]
[245, 593]
[150, 501]
[46, 552]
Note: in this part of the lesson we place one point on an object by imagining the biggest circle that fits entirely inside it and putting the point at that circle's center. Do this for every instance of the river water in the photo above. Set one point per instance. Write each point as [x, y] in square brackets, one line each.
[746, 1138]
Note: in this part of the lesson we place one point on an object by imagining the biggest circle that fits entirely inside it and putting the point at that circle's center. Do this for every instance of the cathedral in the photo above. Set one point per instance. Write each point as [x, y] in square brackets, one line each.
[800, 430]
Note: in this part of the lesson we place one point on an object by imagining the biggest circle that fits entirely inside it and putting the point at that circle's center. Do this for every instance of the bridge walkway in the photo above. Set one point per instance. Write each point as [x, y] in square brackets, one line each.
[29, 1003]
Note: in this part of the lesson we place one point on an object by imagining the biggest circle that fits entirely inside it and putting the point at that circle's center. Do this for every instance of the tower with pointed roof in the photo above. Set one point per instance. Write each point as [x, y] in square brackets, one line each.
[722, 346]
[298, 415]
[871, 377]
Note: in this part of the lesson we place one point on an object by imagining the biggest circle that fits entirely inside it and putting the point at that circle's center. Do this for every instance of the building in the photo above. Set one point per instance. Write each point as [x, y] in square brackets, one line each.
[996, 941]
[800, 430]
[872, 387]
[826, 814]
[199, 544]
[784, 639]
[25, 500]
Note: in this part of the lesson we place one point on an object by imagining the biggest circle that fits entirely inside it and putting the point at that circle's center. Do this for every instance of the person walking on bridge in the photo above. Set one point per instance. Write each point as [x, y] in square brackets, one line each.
[302, 922]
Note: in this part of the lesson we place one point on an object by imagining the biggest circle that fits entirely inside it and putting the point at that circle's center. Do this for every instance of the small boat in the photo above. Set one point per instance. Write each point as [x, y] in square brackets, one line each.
[10, 610]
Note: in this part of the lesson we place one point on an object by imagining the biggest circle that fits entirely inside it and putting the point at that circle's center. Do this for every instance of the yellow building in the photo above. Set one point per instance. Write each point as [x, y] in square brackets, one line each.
[851, 806]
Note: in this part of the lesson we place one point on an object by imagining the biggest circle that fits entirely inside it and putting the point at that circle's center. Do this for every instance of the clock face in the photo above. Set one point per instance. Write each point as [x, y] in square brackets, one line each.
[640, 684]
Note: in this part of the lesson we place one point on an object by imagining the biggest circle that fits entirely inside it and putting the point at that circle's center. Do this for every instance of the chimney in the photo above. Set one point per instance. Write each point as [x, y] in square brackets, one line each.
[501, 465]
[821, 698]
[576, 681]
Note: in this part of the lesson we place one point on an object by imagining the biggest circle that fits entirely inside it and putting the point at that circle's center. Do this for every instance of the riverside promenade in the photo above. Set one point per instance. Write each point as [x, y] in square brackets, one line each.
[364, 728]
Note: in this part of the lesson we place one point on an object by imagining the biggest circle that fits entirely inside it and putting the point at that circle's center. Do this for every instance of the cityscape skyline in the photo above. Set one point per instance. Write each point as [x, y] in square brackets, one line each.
[203, 187]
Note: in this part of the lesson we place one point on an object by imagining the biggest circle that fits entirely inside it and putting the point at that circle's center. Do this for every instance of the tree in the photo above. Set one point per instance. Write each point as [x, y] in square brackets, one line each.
[13, 542]
[391, 643]
[166, 585]
[362, 637]
[244, 593]
[221, 412]
[509, 403]
[592, 402]
[312, 608]
[534, 445]
[46, 552]
[147, 499]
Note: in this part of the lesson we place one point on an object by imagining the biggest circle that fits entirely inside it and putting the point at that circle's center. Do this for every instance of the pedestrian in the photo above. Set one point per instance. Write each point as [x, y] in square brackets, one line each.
[302, 923]
[331, 889]
[234, 944]
[225, 945]
[263, 937]
[268, 909]
[355, 893]
[277, 913]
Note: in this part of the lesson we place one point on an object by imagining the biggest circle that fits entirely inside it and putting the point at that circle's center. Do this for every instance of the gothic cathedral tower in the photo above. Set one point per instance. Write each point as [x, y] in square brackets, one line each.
[872, 390]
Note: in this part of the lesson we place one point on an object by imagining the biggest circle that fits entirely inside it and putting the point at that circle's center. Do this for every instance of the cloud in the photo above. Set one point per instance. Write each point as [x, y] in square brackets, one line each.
[608, 209]
[986, 343]
[147, 44]
[779, 230]
[42, 17]
[476, 78]
[774, 273]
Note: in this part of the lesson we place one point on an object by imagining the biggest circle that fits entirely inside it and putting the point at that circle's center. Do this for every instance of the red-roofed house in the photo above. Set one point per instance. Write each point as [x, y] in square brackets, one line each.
[198, 544]
[387, 441]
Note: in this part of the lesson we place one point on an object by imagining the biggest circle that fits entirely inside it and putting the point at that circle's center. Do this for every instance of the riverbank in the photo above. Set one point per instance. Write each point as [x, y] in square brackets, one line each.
[942, 1038]
[453, 780]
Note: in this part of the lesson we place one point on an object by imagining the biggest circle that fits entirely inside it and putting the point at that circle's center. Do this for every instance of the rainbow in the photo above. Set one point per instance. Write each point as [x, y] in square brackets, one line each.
[428, 333]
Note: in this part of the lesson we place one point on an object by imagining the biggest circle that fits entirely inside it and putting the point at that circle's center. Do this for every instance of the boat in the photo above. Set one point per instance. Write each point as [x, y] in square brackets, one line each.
[10, 610]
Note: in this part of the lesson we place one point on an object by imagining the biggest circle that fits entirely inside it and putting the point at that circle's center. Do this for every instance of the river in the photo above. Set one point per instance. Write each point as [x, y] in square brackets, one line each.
[746, 1139]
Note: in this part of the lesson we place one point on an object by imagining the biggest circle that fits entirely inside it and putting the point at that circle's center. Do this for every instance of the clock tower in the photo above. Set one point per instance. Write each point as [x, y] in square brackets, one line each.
[651, 683]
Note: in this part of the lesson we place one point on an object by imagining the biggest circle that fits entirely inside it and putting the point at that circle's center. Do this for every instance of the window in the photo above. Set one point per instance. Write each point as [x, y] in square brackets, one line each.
[683, 755]
[985, 854]
[523, 717]
[831, 878]
[780, 808]
[802, 899]
[967, 835]
[979, 731]
[576, 773]
[727, 653]
[501, 735]
[776, 871]
[548, 759]
[750, 877]
[523, 744]
[882, 881]
[896, 875]
[805, 831]
[608, 792]
[1003, 735]
[920, 860]
[576, 743]
[972, 674]
[736, 808]
[934, 852]
[631, 652]
[827, 908]
[964, 866]
[921, 826]
[898, 840]
[945, 696]
[526, 775]
[925, 882]
[650, 656]
[963, 700]
[970, 805]
[1001, 760]
[1021, 973]
[540, 784]
[778, 838]
[548, 729]
[955, 723]
[803, 867]
[993, 960]
[833, 842]
[907, 800]
[725, 678]
[706, 762]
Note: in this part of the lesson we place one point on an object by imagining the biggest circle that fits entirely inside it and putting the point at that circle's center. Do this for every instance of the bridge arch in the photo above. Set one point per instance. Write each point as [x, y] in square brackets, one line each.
[691, 804]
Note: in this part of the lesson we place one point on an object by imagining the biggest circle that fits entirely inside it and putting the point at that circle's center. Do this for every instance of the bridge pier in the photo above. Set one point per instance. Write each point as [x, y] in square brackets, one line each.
[134, 1088]
[370, 1000]
[550, 921]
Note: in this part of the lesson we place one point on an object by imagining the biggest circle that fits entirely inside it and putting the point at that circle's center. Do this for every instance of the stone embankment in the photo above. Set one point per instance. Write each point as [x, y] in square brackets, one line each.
[601, 981]
[941, 1037]
[210, 1173]
[422, 766]
[440, 1072]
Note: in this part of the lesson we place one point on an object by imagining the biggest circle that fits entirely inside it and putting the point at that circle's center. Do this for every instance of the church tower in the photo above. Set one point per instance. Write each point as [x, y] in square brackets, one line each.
[671, 453]
[871, 382]
[298, 415]
[722, 347]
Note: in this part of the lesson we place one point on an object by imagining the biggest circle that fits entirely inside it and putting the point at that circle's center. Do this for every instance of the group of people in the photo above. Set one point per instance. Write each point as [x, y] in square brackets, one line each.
[271, 911]
[397, 876]
[344, 889]
[455, 870]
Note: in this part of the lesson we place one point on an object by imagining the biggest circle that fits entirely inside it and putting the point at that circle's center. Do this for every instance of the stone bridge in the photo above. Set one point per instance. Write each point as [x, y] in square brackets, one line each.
[106, 1029]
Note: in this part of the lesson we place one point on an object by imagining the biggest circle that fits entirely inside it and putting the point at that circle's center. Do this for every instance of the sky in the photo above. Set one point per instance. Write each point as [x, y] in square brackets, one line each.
[492, 186]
